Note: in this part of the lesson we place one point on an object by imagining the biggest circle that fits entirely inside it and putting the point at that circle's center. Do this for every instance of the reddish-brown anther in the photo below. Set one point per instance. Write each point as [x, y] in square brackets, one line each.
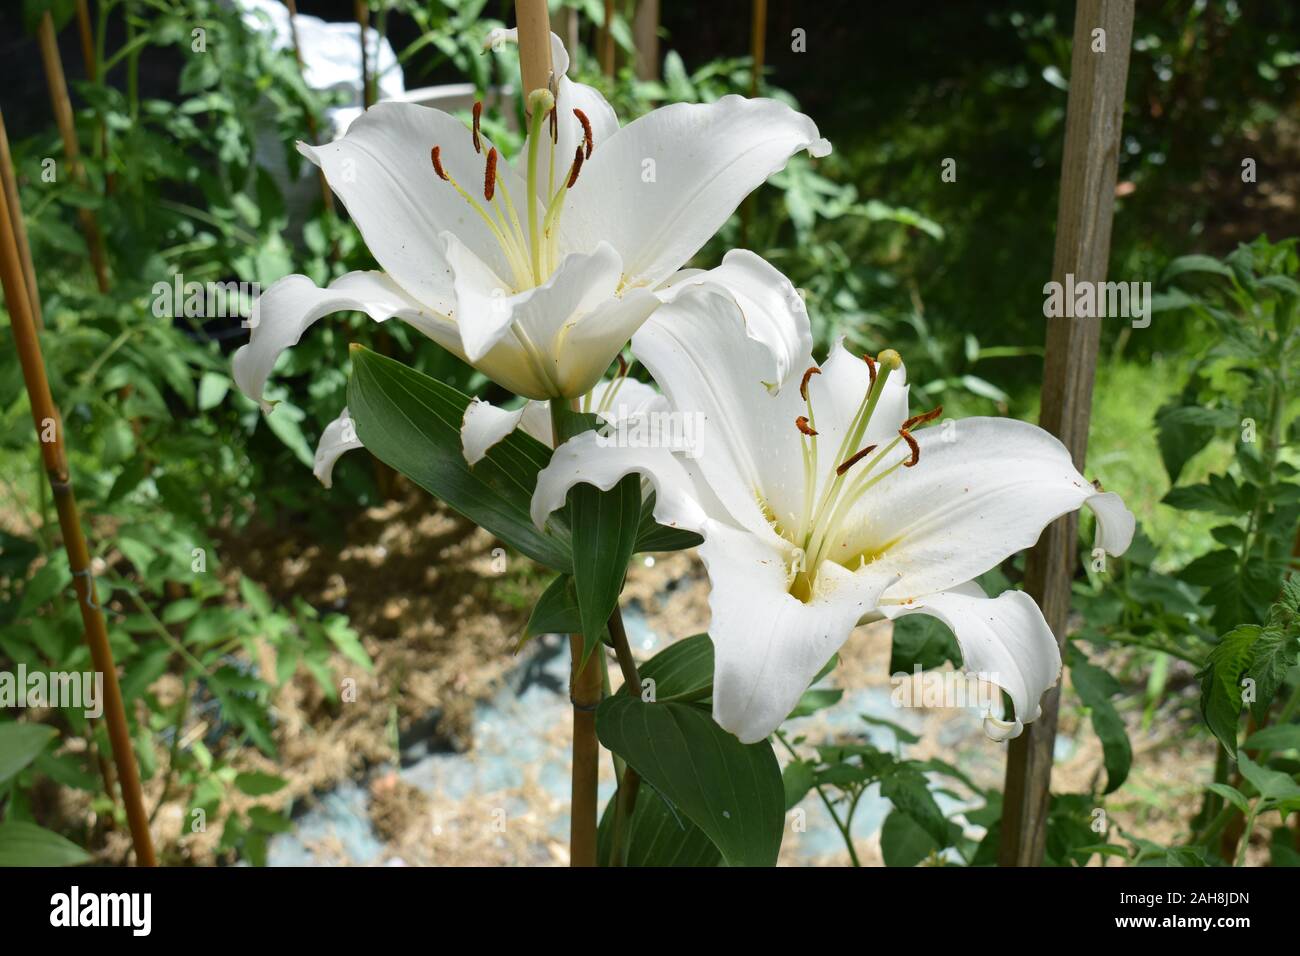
[801, 423]
[478, 115]
[577, 168]
[587, 138]
[854, 459]
[803, 385]
[490, 175]
[922, 419]
[911, 443]
[435, 155]
[871, 367]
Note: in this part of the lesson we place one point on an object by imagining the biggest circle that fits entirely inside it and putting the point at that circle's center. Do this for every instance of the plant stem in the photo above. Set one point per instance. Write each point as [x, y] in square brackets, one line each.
[830, 808]
[630, 782]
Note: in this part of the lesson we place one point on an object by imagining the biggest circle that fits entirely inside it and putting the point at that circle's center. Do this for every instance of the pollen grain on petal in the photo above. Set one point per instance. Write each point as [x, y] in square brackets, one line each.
[587, 138]
[923, 419]
[853, 459]
[490, 175]
[435, 155]
[478, 116]
[803, 385]
[904, 434]
[801, 423]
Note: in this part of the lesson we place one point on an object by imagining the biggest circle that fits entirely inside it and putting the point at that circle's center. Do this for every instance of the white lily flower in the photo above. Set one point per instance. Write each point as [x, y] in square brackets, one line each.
[820, 508]
[536, 273]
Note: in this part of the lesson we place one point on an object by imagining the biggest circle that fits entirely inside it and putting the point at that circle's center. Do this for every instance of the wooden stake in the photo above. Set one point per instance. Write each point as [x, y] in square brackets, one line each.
[534, 22]
[1092, 139]
[46, 416]
[757, 44]
[607, 40]
[62, 106]
[645, 30]
[87, 35]
[363, 20]
[10, 184]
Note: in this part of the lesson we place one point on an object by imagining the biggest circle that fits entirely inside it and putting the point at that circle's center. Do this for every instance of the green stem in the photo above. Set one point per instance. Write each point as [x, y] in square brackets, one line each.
[844, 831]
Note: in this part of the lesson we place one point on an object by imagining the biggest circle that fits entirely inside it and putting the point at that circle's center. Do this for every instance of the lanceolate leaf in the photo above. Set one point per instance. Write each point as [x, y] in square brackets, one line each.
[412, 423]
[604, 527]
[26, 844]
[19, 745]
[653, 536]
[1096, 687]
[658, 836]
[556, 611]
[731, 791]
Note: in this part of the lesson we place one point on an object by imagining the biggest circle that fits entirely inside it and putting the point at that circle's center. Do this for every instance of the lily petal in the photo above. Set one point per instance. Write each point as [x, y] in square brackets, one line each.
[290, 306]
[774, 310]
[982, 491]
[767, 645]
[1003, 640]
[697, 350]
[680, 498]
[662, 185]
[338, 437]
[381, 171]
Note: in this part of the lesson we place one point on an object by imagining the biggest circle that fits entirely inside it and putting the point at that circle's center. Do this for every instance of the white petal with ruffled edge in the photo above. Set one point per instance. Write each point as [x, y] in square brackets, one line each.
[661, 186]
[338, 437]
[290, 306]
[772, 307]
[1004, 640]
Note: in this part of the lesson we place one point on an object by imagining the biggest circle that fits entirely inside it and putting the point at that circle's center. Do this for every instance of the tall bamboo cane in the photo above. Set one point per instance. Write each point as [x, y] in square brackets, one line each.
[44, 414]
[10, 183]
[62, 105]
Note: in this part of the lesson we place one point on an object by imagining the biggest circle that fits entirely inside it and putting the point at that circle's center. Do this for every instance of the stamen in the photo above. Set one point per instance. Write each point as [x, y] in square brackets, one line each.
[587, 138]
[1096, 483]
[435, 154]
[801, 423]
[577, 168]
[490, 175]
[478, 115]
[871, 367]
[803, 385]
[857, 457]
[922, 419]
[622, 365]
[904, 434]
[555, 124]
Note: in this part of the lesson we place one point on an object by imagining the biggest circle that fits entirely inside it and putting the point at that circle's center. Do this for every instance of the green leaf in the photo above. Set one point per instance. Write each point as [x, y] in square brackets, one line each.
[556, 611]
[684, 667]
[903, 841]
[258, 784]
[1095, 688]
[1195, 263]
[797, 778]
[657, 836]
[1277, 737]
[1221, 683]
[922, 641]
[653, 536]
[908, 790]
[1231, 794]
[604, 532]
[1182, 431]
[731, 791]
[1273, 785]
[213, 387]
[412, 423]
[815, 699]
[1272, 656]
[19, 745]
[26, 844]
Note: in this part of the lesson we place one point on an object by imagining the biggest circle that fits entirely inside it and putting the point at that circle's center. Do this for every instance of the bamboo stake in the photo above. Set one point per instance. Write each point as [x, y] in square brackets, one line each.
[87, 36]
[55, 460]
[19, 227]
[645, 29]
[363, 21]
[607, 40]
[757, 49]
[62, 106]
[1094, 113]
[585, 684]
